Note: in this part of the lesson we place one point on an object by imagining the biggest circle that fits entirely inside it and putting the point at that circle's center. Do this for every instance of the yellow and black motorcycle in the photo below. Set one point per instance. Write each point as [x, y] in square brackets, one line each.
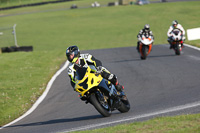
[99, 92]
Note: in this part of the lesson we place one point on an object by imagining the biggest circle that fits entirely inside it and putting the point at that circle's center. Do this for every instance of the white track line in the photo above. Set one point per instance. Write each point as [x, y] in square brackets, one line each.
[170, 110]
[192, 47]
[41, 98]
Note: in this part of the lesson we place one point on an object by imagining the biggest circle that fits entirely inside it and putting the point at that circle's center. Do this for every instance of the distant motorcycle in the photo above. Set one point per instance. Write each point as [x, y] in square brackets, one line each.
[101, 93]
[145, 46]
[177, 41]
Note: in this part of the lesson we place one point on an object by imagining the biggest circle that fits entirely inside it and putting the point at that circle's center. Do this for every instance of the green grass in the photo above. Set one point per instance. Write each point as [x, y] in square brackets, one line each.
[24, 75]
[176, 124]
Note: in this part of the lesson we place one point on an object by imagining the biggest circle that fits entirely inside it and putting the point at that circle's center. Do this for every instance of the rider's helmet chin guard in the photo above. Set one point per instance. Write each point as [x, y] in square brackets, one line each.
[147, 27]
[174, 23]
[74, 51]
[74, 60]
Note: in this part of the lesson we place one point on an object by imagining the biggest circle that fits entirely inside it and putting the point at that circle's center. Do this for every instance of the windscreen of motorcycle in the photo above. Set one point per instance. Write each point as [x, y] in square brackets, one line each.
[80, 73]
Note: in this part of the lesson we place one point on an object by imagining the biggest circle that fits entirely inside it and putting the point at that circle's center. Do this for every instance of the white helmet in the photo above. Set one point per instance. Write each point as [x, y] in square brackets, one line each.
[147, 27]
[175, 22]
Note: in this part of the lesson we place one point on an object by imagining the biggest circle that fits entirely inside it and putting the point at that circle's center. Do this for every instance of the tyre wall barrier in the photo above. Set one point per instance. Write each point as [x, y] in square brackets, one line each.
[16, 49]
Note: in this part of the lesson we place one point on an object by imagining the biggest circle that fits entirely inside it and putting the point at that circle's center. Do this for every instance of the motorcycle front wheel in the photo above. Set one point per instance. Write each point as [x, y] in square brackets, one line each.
[178, 51]
[144, 52]
[100, 104]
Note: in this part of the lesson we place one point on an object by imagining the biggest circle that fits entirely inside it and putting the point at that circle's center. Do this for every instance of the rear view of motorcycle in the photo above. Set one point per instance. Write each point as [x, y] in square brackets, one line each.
[145, 46]
[177, 41]
[99, 92]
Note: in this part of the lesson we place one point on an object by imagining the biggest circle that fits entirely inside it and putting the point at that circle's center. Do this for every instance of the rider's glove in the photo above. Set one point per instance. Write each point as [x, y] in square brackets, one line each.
[99, 69]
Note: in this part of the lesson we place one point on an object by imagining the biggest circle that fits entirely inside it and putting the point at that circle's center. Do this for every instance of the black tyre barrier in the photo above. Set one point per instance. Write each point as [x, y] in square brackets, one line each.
[111, 4]
[16, 49]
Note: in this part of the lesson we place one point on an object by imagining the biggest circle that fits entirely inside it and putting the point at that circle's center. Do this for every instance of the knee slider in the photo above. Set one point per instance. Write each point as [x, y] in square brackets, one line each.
[112, 78]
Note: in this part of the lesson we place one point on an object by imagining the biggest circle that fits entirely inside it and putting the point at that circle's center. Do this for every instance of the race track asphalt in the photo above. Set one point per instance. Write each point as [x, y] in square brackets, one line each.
[157, 86]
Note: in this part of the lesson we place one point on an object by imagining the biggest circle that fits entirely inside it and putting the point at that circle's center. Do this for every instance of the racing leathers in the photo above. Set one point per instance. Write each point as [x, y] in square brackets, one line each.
[88, 59]
[171, 28]
[143, 32]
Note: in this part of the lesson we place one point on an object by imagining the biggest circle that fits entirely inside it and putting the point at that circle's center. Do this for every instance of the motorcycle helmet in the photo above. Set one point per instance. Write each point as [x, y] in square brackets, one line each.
[72, 54]
[175, 23]
[146, 27]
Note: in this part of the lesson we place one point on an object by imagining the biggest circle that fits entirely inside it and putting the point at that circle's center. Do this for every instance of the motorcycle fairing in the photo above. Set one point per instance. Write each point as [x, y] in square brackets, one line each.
[88, 81]
[104, 87]
[148, 46]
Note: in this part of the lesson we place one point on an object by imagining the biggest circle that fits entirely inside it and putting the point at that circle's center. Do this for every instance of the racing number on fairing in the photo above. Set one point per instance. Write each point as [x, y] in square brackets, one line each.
[84, 84]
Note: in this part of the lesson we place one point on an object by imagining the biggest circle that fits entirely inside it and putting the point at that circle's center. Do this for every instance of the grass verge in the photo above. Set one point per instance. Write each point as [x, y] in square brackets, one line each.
[176, 124]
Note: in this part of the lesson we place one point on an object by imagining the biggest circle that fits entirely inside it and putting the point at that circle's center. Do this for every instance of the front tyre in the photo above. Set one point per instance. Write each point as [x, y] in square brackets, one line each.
[144, 52]
[177, 49]
[101, 106]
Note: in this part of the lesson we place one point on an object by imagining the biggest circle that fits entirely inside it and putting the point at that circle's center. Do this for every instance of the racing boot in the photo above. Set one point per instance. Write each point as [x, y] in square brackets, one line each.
[119, 87]
[170, 43]
[170, 46]
[137, 48]
[182, 44]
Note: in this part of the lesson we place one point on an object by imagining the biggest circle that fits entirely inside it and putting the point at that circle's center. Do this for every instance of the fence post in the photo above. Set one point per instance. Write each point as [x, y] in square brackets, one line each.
[15, 36]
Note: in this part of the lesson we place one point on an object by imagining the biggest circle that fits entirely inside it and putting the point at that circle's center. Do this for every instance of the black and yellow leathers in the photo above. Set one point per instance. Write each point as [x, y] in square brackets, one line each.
[84, 61]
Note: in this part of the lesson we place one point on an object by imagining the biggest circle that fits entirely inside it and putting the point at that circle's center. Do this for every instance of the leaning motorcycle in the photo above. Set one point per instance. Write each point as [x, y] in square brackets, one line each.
[177, 41]
[101, 93]
[145, 46]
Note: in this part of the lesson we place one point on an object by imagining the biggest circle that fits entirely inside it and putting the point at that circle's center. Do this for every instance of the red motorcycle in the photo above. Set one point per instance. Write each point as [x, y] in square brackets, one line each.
[145, 46]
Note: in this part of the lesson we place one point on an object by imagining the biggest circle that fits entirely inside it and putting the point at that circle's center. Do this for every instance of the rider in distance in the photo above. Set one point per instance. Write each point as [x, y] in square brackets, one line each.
[175, 25]
[145, 31]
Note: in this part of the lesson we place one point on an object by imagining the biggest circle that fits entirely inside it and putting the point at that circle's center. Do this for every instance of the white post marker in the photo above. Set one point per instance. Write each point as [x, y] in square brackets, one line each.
[15, 36]
[193, 34]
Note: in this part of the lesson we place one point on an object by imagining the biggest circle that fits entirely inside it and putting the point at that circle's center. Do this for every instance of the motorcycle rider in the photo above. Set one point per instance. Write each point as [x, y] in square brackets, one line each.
[78, 60]
[145, 31]
[175, 25]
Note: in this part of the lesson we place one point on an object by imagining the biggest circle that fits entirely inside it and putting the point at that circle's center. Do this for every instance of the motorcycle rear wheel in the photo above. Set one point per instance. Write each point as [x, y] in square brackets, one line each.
[102, 107]
[125, 105]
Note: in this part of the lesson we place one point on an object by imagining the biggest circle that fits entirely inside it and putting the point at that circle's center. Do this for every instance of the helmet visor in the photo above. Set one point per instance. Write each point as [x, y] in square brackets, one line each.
[146, 29]
[175, 25]
[72, 56]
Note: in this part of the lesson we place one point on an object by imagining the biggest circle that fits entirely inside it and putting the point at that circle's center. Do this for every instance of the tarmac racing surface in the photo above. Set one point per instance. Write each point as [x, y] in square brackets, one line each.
[162, 85]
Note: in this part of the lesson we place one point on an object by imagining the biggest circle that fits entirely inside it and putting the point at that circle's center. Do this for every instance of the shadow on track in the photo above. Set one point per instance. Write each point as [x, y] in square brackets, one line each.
[58, 121]
[158, 56]
[138, 59]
